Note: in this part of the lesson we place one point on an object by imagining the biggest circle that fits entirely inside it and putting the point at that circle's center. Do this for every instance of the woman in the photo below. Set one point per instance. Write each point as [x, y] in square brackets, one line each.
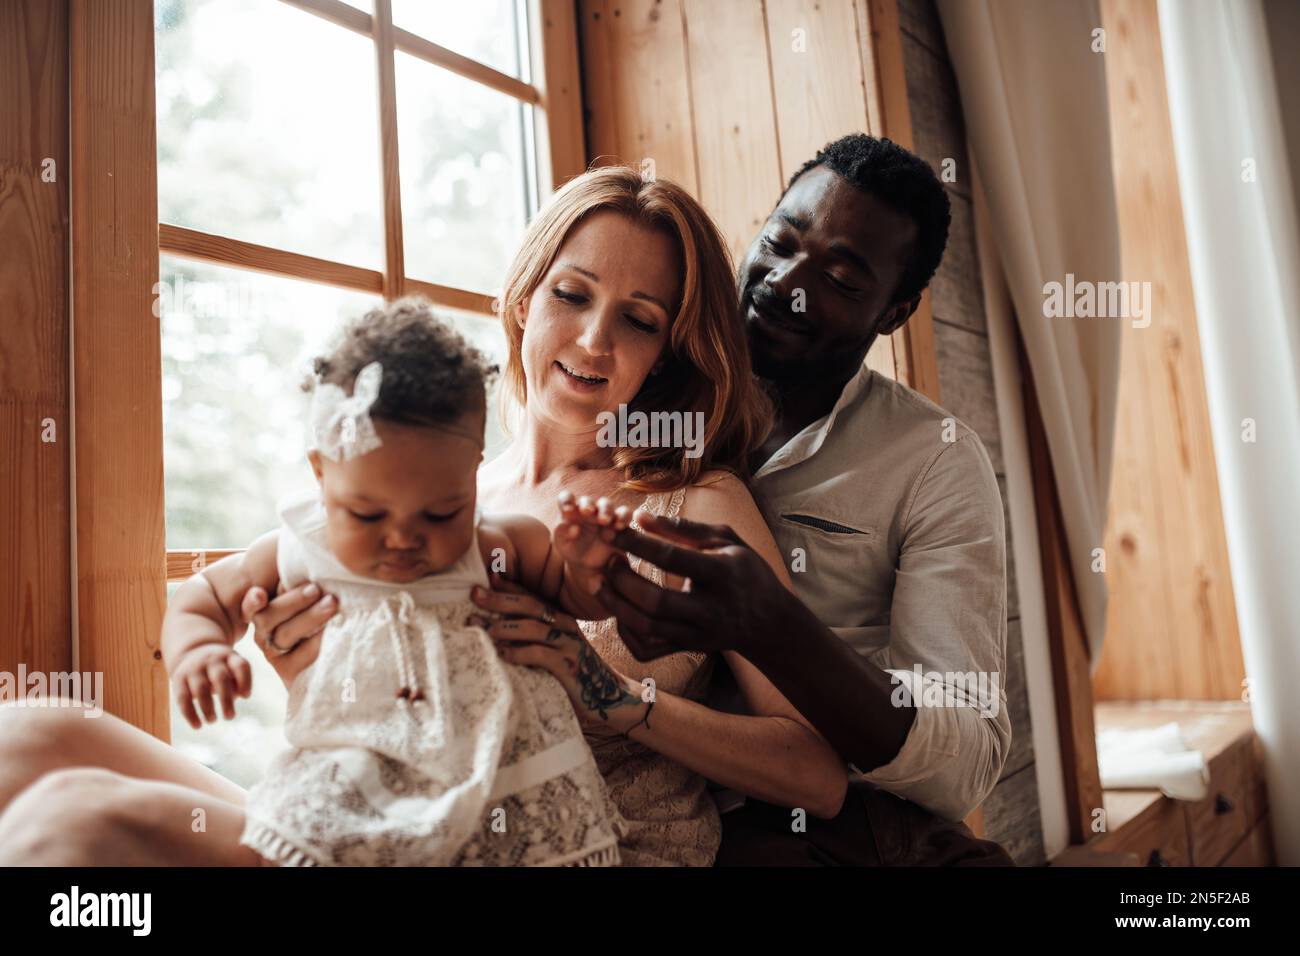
[621, 295]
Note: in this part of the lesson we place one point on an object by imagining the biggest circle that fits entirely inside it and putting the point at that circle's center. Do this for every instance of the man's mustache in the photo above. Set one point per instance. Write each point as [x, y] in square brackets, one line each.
[774, 306]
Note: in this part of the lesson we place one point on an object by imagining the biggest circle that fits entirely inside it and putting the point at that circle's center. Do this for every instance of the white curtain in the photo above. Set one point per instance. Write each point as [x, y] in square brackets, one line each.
[1034, 97]
[1243, 242]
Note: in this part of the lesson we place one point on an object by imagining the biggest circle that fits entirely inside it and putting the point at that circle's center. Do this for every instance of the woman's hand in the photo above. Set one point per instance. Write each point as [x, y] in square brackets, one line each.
[530, 633]
[288, 629]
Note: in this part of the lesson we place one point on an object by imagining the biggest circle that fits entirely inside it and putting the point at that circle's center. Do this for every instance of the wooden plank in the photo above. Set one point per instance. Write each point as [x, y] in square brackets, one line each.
[880, 40]
[818, 87]
[349, 17]
[394, 253]
[734, 120]
[636, 80]
[35, 421]
[1171, 621]
[1071, 675]
[206, 247]
[561, 147]
[117, 360]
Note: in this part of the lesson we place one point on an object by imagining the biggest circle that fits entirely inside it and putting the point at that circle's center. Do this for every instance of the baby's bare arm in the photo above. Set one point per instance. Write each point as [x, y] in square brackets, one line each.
[203, 621]
[540, 568]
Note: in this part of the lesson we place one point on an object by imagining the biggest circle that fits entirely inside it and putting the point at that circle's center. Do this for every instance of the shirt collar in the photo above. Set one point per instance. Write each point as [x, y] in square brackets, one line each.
[805, 444]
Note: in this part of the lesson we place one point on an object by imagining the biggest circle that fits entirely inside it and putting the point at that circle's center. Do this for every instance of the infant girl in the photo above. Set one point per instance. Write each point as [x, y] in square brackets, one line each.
[411, 743]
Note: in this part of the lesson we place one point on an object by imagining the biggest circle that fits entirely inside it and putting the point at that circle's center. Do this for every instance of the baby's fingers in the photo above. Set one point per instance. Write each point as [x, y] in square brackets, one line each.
[243, 674]
[223, 682]
[201, 691]
[186, 703]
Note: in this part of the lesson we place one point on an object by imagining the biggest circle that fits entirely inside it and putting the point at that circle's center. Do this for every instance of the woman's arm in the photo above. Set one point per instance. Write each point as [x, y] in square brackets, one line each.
[775, 755]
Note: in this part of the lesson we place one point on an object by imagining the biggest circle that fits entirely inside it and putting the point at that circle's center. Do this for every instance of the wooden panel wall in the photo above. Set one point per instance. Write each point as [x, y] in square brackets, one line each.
[35, 425]
[117, 358]
[1171, 629]
[730, 97]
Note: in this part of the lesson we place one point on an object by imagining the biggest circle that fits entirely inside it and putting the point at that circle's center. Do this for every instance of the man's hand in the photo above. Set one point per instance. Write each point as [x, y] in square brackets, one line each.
[735, 602]
[288, 629]
[205, 669]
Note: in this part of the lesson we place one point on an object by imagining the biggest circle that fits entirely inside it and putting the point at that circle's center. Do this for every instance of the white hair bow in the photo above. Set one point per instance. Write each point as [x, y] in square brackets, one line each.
[340, 423]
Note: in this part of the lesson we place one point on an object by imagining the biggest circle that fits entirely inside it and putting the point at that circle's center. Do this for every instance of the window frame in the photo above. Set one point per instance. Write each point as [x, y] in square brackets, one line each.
[121, 564]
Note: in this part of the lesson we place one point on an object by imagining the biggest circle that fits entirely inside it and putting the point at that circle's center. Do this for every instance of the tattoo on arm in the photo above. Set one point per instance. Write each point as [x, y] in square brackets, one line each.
[601, 690]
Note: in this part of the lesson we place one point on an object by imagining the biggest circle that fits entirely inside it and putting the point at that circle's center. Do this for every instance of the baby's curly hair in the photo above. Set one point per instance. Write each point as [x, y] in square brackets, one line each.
[432, 376]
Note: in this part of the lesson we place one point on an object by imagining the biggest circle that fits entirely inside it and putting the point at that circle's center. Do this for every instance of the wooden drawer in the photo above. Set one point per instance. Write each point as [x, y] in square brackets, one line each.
[1218, 823]
[1157, 834]
[1256, 849]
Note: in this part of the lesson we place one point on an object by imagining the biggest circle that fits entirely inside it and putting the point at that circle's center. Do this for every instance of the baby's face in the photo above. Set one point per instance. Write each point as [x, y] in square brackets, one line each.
[405, 510]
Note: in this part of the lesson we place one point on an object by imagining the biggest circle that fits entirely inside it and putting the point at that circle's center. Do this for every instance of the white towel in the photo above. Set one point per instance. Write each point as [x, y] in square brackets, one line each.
[1152, 758]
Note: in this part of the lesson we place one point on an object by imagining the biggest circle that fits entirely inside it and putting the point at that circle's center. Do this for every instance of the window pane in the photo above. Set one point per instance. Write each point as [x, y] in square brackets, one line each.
[485, 334]
[484, 30]
[236, 346]
[268, 128]
[462, 176]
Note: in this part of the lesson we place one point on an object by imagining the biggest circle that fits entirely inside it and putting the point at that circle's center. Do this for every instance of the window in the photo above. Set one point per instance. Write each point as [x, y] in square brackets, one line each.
[314, 158]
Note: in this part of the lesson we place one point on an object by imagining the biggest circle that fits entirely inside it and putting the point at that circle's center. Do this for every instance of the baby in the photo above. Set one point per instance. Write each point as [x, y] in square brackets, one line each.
[411, 741]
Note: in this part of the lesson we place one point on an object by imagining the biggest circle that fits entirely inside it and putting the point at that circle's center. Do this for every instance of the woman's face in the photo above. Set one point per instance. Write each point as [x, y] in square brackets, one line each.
[599, 320]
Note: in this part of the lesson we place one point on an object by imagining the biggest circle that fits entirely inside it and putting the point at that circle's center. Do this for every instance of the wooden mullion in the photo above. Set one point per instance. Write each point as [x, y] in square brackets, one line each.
[343, 15]
[336, 12]
[222, 250]
[183, 563]
[450, 297]
[430, 52]
[394, 251]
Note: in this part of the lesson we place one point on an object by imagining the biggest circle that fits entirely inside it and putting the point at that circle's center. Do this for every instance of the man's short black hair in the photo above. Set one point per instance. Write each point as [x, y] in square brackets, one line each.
[903, 181]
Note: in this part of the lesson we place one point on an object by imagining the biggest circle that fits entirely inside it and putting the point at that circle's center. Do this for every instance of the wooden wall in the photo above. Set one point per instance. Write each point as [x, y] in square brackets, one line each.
[1011, 811]
[719, 96]
[1171, 628]
[35, 422]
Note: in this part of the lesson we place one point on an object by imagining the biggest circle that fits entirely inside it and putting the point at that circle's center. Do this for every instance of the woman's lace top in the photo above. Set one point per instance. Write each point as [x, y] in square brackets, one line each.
[669, 816]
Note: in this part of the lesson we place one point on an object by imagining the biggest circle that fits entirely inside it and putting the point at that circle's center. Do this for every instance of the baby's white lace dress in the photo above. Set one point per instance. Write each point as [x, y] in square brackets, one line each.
[411, 743]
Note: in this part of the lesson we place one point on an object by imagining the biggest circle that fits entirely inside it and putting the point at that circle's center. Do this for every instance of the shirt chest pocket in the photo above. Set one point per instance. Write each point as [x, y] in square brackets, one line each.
[821, 545]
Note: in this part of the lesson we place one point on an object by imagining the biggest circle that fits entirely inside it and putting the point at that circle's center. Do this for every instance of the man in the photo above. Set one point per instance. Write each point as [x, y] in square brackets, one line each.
[887, 508]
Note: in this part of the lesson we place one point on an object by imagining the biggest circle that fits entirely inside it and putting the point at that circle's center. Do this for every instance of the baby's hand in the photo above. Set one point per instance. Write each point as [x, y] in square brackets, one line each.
[586, 529]
[204, 669]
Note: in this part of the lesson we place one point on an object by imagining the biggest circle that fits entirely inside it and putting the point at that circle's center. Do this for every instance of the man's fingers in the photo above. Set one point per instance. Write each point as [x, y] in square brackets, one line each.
[664, 605]
[688, 532]
[634, 629]
[684, 562]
